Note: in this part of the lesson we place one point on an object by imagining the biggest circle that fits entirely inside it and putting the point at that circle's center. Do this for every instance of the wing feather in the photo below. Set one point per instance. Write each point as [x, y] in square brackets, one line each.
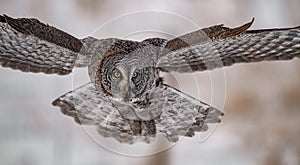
[219, 46]
[32, 46]
[88, 106]
[182, 115]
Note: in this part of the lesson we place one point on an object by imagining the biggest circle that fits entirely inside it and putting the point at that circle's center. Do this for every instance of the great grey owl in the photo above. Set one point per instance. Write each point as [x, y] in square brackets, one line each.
[126, 98]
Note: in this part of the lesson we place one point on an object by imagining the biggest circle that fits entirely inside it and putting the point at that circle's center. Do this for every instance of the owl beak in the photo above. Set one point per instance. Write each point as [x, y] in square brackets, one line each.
[126, 88]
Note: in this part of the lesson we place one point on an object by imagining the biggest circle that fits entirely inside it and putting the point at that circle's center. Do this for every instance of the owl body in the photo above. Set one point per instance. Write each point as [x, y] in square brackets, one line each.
[125, 98]
[127, 74]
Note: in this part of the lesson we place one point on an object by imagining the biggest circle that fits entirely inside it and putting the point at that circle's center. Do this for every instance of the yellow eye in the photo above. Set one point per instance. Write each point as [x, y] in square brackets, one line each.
[117, 74]
[134, 74]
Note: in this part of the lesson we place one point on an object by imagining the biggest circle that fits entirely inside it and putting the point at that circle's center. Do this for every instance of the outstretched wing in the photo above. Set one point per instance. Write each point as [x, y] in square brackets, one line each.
[31, 46]
[181, 115]
[219, 46]
[88, 106]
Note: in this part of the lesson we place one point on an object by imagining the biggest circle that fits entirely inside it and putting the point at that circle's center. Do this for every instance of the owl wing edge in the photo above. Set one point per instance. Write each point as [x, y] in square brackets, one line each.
[219, 46]
[182, 114]
[88, 106]
[32, 46]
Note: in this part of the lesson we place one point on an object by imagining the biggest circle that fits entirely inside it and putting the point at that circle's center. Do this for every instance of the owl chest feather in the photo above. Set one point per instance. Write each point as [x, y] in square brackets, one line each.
[143, 109]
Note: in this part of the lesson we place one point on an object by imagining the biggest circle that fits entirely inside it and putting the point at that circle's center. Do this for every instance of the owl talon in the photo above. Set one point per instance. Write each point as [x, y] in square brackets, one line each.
[190, 133]
[143, 128]
[148, 128]
[135, 127]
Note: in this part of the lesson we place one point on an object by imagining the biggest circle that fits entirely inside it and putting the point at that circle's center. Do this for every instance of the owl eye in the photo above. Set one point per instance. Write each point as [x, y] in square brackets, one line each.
[117, 74]
[134, 74]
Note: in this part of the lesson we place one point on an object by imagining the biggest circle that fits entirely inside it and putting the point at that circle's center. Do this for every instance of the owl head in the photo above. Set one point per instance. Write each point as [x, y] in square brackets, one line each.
[126, 73]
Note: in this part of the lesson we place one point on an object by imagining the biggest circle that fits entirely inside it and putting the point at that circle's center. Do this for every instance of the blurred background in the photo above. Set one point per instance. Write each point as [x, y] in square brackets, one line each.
[262, 106]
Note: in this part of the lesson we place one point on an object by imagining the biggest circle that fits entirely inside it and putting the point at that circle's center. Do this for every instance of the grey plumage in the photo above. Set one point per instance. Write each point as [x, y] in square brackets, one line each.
[126, 99]
[229, 46]
[30, 46]
[90, 106]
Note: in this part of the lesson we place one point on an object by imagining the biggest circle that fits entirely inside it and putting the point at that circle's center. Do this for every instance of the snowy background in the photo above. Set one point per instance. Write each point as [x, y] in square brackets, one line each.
[262, 106]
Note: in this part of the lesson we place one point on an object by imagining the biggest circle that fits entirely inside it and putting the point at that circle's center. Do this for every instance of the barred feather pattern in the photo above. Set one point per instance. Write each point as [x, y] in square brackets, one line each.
[31, 54]
[250, 46]
[180, 115]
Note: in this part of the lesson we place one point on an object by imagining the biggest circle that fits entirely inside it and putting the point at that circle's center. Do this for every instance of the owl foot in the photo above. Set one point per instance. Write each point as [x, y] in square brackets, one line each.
[148, 128]
[135, 127]
[143, 128]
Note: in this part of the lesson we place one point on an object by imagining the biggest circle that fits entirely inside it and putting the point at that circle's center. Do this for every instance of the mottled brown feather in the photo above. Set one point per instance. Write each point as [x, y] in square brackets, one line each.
[202, 35]
[219, 46]
[31, 26]
[31, 46]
